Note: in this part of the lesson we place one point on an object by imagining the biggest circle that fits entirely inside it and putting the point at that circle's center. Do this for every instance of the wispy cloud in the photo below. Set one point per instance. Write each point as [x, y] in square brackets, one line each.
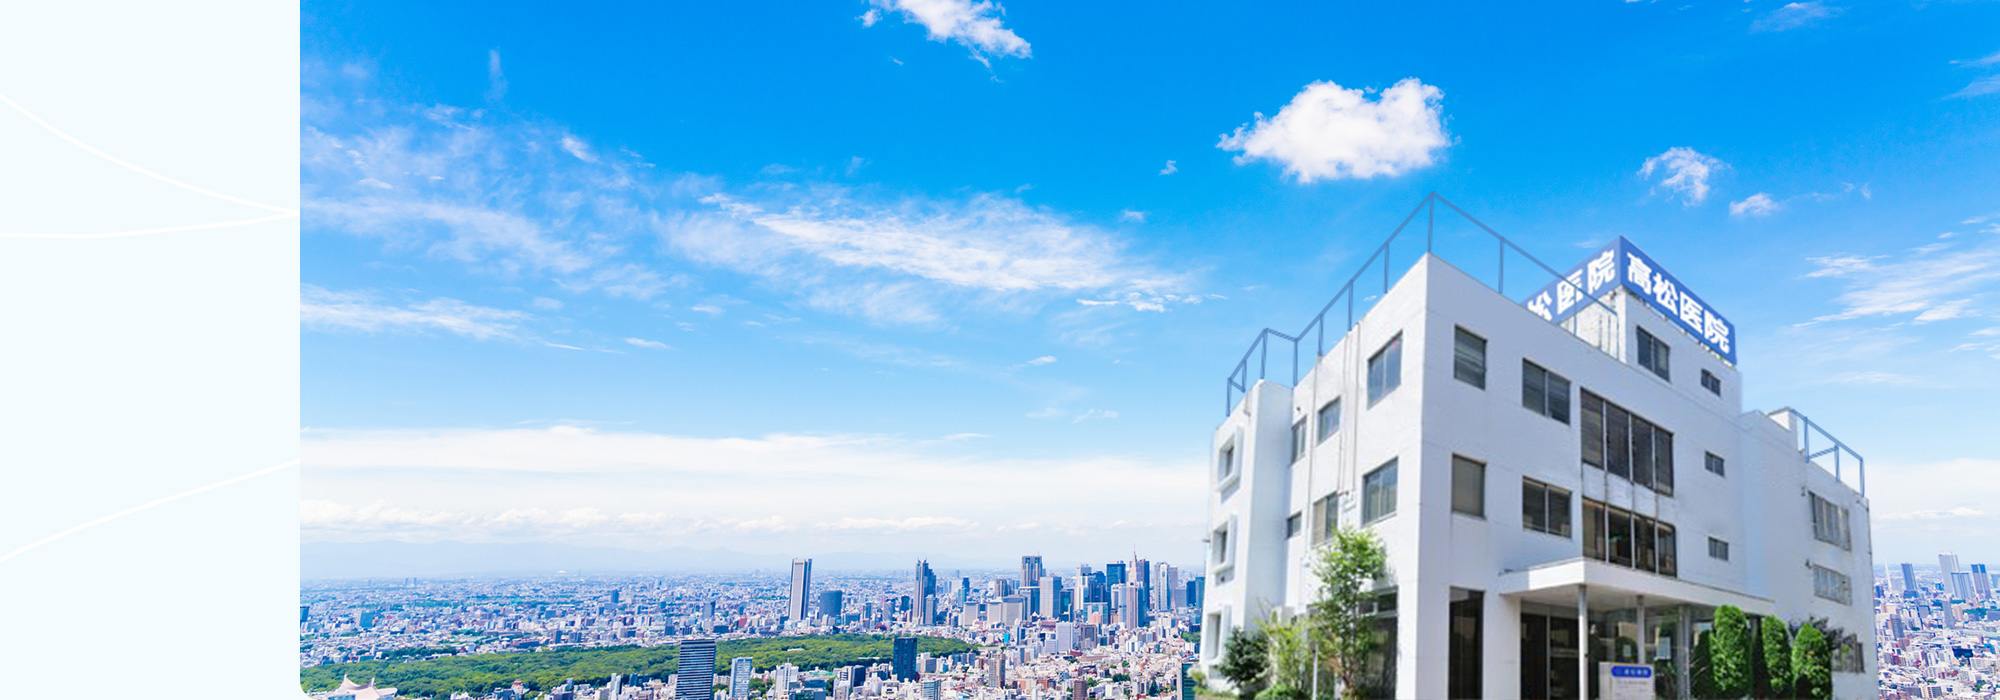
[1925, 286]
[1132, 215]
[1170, 169]
[1959, 512]
[1795, 15]
[355, 311]
[1983, 86]
[1328, 132]
[974, 25]
[648, 344]
[1759, 204]
[1687, 172]
[1043, 360]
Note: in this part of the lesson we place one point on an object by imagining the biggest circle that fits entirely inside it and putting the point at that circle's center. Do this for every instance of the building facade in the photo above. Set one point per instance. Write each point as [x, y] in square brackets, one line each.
[1555, 492]
[694, 678]
[801, 587]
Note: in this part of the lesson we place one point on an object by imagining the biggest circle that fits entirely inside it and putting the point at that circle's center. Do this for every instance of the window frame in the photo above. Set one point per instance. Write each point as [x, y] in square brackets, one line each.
[1328, 428]
[1539, 392]
[1716, 544]
[1545, 493]
[1294, 524]
[1715, 464]
[1654, 354]
[1464, 356]
[1711, 382]
[1378, 501]
[1479, 507]
[1299, 439]
[1389, 360]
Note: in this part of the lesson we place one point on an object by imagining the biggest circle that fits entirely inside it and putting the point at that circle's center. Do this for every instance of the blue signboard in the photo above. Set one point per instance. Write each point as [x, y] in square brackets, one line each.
[1625, 671]
[1621, 264]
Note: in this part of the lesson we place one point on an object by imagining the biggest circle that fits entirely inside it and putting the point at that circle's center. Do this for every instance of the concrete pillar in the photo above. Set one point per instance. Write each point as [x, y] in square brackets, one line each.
[1582, 642]
[1643, 658]
[1682, 649]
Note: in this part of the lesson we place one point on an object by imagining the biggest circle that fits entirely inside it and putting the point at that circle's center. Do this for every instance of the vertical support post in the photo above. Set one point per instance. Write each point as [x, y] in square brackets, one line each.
[1263, 353]
[1430, 222]
[1582, 642]
[1385, 263]
[1644, 634]
[1502, 289]
[1683, 673]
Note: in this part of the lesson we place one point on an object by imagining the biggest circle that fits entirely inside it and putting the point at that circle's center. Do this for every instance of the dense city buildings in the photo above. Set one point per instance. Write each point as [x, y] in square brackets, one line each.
[1572, 468]
[1935, 641]
[1013, 653]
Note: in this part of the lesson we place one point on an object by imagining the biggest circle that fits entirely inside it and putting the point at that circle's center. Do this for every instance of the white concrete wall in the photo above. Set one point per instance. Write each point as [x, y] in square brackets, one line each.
[1758, 506]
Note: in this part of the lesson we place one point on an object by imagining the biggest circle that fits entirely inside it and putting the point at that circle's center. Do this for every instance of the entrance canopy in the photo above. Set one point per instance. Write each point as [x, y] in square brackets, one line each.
[1608, 586]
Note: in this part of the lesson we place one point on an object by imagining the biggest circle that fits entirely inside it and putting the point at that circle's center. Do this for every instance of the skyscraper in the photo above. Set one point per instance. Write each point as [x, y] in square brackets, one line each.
[1031, 569]
[1947, 564]
[1982, 583]
[923, 601]
[801, 586]
[1909, 577]
[903, 658]
[695, 679]
[1051, 590]
[1114, 572]
[1961, 585]
[830, 603]
[933, 689]
[740, 670]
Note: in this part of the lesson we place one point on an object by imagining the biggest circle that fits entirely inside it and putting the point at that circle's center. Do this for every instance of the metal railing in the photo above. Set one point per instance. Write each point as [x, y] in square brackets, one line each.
[1805, 428]
[1239, 379]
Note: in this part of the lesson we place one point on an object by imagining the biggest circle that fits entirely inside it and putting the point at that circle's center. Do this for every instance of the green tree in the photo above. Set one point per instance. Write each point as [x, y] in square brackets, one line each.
[1701, 679]
[1245, 661]
[1812, 664]
[1777, 657]
[1286, 653]
[1348, 566]
[1729, 653]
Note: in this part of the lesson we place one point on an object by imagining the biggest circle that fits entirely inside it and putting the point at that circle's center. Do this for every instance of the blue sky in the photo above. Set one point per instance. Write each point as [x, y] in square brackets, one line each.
[937, 276]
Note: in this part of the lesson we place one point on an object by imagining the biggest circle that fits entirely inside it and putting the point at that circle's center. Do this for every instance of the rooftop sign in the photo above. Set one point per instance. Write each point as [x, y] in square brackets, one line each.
[1619, 263]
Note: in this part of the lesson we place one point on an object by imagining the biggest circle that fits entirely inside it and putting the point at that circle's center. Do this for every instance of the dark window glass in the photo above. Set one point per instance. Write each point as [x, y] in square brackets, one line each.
[1329, 419]
[1558, 512]
[1670, 564]
[1378, 493]
[1645, 534]
[1653, 354]
[1593, 529]
[1299, 440]
[1385, 370]
[1618, 441]
[1718, 549]
[1618, 536]
[1714, 464]
[1642, 451]
[1469, 358]
[1711, 382]
[1558, 393]
[1593, 430]
[1534, 506]
[1663, 461]
[1534, 391]
[1294, 524]
[1468, 486]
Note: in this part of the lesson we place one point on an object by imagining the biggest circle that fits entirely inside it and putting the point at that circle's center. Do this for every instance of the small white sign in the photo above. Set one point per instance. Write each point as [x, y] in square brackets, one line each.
[1624, 682]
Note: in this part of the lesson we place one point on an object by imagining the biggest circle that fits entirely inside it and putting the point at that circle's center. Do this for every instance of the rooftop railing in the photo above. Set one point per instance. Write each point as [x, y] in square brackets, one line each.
[1830, 449]
[1239, 380]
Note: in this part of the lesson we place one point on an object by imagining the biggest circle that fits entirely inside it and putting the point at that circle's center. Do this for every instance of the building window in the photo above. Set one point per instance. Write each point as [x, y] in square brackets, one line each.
[1714, 463]
[1711, 382]
[1378, 493]
[1219, 546]
[1544, 392]
[1830, 522]
[1832, 585]
[1718, 549]
[1653, 354]
[1329, 419]
[1326, 517]
[1627, 445]
[1293, 525]
[1468, 358]
[1385, 370]
[1625, 538]
[1299, 440]
[1225, 461]
[1544, 508]
[1468, 486]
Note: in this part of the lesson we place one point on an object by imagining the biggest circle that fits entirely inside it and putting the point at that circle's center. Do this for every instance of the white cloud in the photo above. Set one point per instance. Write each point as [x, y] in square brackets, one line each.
[1043, 360]
[1131, 215]
[1983, 86]
[649, 344]
[576, 147]
[323, 310]
[974, 25]
[546, 304]
[1047, 412]
[1687, 172]
[1094, 414]
[1959, 512]
[1759, 204]
[709, 309]
[1794, 15]
[1170, 169]
[1932, 286]
[1331, 132]
[842, 492]
[496, 82]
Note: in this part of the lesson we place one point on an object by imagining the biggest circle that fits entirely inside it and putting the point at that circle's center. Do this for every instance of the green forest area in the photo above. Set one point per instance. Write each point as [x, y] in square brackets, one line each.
[541, 670]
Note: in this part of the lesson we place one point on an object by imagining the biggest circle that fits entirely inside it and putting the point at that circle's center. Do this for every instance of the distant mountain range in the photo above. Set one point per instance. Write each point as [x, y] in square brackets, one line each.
[387, 559]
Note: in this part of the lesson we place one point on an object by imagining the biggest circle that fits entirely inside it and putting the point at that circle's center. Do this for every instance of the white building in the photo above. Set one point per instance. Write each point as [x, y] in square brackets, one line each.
[1452, 421]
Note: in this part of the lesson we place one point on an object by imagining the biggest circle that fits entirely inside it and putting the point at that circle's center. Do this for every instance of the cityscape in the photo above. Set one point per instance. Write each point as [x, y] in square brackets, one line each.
[1120, 630]
[1938, 631]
